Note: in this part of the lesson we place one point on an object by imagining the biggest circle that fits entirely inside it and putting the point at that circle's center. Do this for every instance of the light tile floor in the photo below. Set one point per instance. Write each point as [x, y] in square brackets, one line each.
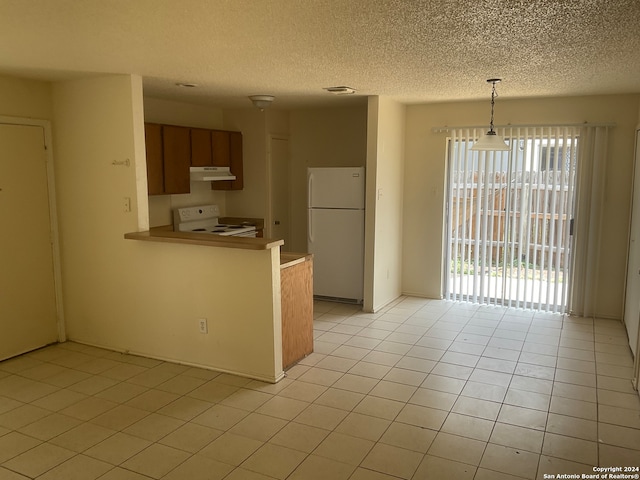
[422, 390]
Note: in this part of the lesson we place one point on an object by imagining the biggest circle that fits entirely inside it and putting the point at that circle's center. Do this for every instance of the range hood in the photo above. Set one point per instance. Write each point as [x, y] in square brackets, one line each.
[210, 174]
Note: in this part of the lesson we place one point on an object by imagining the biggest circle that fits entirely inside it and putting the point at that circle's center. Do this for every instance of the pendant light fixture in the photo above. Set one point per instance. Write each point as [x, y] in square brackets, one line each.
[491, 141]
[261, 101]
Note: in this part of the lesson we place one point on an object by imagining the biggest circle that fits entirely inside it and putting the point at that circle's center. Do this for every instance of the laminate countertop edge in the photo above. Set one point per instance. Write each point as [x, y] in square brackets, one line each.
[288, 259]
[167, 235]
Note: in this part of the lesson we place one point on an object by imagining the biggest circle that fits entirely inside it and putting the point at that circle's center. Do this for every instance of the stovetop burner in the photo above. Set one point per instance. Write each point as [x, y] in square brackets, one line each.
[204, 219]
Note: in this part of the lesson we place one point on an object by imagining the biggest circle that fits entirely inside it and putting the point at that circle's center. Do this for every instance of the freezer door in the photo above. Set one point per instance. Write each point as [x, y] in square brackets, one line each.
[336, 187]
[336, 239]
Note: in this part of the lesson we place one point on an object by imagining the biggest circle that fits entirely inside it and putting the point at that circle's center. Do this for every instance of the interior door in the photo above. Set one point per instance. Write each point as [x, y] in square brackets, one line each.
[280, 192]
[632, 297]
[27, 292]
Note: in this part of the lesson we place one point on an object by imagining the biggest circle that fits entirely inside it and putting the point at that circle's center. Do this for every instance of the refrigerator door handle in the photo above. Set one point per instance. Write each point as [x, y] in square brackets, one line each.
[309, 186]
[310, 226]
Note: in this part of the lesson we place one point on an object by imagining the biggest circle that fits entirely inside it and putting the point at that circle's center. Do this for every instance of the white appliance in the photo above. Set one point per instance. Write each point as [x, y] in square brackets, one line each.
[210, 174]
[204, 219]
[336, 199]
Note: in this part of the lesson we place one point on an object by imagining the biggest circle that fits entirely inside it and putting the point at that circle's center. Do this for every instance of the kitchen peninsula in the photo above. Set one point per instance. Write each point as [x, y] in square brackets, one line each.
[269, 321]
[167, 234]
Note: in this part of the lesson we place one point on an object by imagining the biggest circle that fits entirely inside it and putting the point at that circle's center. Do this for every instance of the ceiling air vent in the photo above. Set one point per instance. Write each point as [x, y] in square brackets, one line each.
[341, 90]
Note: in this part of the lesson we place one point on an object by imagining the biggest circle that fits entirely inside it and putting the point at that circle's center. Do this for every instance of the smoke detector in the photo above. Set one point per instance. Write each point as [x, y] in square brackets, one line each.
[341, 90]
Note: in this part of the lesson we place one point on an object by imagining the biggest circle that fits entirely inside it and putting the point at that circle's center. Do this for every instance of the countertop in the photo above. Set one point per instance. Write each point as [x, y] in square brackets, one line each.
[288, 259]
[167, 235]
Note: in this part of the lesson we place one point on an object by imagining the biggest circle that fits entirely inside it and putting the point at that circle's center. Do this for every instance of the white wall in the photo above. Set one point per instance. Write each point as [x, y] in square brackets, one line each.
[146, 297]
[425, 181]
[322, 137]
[385, 178]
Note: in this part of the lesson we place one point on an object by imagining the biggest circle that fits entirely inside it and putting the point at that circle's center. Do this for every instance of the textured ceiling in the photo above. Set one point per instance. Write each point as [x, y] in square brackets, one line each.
[411, 50]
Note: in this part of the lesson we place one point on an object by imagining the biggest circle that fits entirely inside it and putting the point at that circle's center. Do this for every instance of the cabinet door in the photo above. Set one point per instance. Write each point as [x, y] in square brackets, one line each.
[200, 147]
[155, 169]
[220, 143]
[235, 164]
[297, 312]
[177, 159]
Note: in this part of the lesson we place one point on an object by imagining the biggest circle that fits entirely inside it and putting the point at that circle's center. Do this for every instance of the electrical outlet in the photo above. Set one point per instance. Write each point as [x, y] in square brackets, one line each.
[202, 325]
[126, 204]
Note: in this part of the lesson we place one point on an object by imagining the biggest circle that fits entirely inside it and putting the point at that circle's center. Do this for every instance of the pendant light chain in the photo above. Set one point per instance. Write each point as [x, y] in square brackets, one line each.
[491, 142]
[493, 102]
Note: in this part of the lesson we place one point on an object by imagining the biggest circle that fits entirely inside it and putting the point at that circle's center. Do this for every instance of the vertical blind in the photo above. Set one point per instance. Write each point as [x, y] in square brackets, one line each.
[510, 216]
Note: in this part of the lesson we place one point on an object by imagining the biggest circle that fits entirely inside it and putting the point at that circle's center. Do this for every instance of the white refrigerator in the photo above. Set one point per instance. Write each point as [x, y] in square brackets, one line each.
[336, 199]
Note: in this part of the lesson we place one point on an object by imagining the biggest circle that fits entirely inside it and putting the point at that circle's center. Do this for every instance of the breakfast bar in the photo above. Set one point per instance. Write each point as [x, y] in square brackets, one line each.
[168, 235]
[267, 325]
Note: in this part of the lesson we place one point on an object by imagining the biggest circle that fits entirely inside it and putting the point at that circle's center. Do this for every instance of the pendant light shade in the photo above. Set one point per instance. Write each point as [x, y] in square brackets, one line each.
[261, 101]
[491, 141]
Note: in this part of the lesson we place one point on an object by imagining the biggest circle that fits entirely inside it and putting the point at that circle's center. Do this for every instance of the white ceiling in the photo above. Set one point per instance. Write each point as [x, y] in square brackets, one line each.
[410, 50]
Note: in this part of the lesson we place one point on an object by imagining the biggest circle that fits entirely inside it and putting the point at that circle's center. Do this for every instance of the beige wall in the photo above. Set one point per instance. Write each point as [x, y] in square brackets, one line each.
[179, 113]
[251, 200]
[322, 137]
[425, 181]
[147, 297]
[25, 98]
[255, 126]
[385, 178]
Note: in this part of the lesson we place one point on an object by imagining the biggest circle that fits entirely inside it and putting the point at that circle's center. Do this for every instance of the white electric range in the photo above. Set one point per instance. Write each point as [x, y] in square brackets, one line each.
[204, 219]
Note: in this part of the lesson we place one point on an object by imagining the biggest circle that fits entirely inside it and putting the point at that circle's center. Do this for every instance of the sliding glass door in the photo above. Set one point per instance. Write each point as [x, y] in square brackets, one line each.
[509, 218]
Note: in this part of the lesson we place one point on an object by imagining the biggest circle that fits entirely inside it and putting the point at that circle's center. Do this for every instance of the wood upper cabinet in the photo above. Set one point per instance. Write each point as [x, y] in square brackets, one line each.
[235, 164]
[171, 150]
[200, 147]
[220, 141]
[176, 149]
[210, 148]
[168, 151]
